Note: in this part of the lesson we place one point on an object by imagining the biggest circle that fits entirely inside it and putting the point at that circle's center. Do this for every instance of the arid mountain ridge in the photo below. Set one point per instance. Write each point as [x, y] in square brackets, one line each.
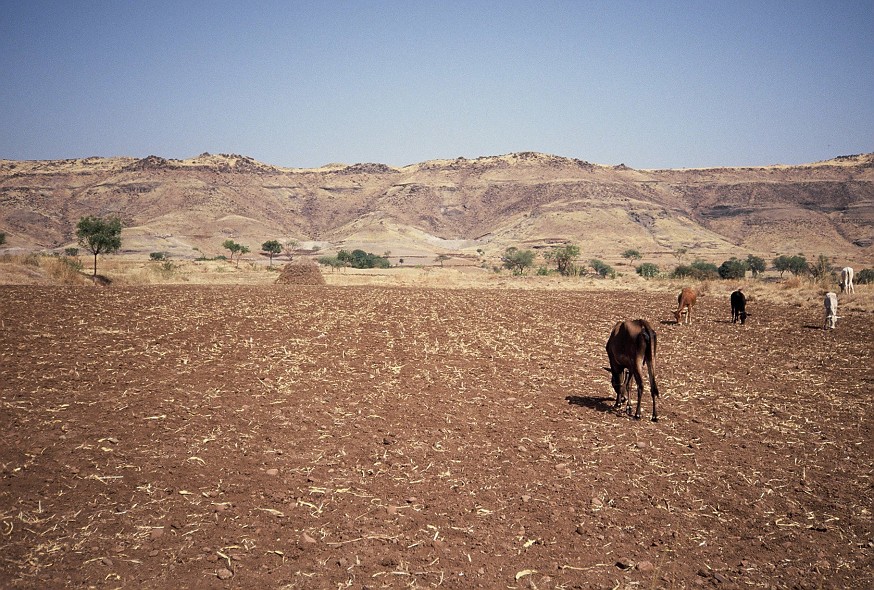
[187, 208]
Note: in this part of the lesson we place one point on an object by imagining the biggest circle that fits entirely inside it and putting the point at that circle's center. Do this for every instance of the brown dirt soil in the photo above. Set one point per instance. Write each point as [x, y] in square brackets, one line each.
[300, 273]
[332, 437]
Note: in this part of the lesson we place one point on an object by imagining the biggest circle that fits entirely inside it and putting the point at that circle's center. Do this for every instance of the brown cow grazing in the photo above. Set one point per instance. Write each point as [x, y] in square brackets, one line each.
[631, 344]
[685, 302]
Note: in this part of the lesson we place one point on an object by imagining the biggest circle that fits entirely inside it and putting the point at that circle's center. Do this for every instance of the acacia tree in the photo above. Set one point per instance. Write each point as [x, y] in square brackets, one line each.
[235, 248]
[797, 264]
[272, 247]
[517, 260]
[563, 257]
[99, 236]
[821, 268]
[290, 246]
[756, 264]
[632, 255]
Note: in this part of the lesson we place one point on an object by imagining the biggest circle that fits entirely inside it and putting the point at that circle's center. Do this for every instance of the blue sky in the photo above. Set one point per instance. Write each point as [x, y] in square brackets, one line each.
[650, 84]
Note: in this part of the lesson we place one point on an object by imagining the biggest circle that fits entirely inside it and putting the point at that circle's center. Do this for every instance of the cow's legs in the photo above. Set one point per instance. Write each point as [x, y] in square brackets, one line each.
[627, 395]
[617, 375]
[638, 379]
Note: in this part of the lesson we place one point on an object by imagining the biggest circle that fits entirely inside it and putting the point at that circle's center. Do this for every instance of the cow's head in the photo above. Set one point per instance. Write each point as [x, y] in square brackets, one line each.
[743, 317]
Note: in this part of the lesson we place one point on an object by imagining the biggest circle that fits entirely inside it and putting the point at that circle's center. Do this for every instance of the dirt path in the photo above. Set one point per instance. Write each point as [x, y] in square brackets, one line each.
[328, 437]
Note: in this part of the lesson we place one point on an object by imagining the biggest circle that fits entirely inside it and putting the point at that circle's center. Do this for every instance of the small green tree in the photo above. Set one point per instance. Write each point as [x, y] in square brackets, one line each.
[236, 249]
[798, 265]
[157, 256]
[71, 251]
[564, 258]
[632, 255]
[602, 268]
[289, 247]
[517, 260]
[272, 247]
[441, 258]
[647, 270]
[733, 269]
[243, 250]
[756, 265]
[821, 268]
[2, 237]
[782, 263]
[333, 261]
[99, 235]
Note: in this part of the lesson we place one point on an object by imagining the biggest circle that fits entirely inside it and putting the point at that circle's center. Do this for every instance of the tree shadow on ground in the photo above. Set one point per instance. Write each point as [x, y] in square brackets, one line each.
[602, 404]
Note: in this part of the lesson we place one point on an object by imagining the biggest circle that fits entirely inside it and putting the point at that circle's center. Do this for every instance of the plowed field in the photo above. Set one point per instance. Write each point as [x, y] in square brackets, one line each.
[333, 437]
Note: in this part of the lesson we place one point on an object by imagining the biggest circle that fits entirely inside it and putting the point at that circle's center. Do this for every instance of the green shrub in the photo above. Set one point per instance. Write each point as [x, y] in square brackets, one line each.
[647, 270]
[733, 269]
[698, 270]
[865, 276]
[602, 268]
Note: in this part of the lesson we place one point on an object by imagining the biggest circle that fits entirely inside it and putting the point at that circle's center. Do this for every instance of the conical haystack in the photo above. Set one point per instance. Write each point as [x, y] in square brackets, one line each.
[303, 272]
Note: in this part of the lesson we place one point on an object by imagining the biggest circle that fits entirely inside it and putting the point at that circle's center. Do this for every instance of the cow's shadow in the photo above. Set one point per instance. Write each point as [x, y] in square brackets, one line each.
[602, 404]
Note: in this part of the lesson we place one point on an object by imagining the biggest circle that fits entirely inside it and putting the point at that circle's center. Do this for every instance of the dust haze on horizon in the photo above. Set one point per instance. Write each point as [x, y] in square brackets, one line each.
[303, 84]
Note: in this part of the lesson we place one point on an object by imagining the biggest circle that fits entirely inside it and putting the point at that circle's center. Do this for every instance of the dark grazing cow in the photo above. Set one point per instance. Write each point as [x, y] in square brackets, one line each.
[632, 344]
[738, 307]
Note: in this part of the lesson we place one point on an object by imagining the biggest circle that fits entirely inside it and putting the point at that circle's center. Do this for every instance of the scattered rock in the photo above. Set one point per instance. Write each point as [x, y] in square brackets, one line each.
[272, 471]
[224, 574]
[307, 538]
[645, 566]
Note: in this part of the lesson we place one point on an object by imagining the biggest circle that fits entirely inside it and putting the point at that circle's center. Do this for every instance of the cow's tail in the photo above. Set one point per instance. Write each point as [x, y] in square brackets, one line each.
[651, 341]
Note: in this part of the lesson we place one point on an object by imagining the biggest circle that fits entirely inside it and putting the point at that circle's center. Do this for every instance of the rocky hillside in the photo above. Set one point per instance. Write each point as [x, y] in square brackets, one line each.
[189, 207]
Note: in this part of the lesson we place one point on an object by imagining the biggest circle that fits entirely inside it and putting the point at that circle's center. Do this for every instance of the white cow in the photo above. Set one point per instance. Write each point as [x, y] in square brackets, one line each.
[847, 280]
[831, 310]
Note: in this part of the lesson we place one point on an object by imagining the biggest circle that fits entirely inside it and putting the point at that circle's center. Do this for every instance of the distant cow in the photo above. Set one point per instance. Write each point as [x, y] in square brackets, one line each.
[831, 310]
[847, 280]
[685, 301]
[632, 344]
[738, 307]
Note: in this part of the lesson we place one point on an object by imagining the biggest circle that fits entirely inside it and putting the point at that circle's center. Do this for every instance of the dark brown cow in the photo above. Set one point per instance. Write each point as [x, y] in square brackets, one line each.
[686, 299]
[631, 344]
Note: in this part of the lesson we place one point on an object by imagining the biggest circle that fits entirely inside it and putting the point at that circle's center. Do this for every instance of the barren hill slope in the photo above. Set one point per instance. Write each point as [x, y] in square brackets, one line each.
[189, 207]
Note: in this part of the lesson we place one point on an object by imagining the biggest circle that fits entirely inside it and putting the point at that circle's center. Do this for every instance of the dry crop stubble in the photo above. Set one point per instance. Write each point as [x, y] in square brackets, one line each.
[382, 437]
